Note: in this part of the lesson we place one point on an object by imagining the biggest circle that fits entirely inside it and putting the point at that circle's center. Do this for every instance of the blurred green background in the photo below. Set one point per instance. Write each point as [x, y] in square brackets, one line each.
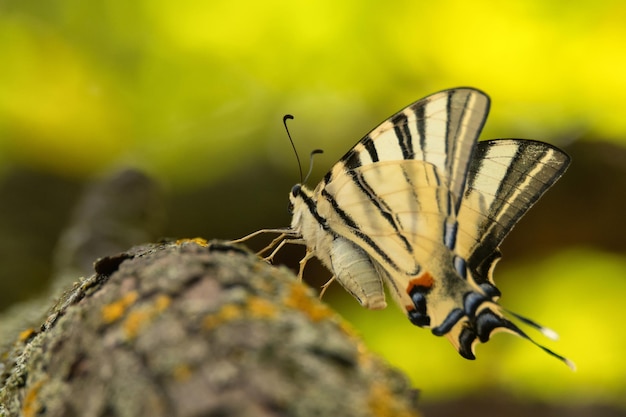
[192, 93]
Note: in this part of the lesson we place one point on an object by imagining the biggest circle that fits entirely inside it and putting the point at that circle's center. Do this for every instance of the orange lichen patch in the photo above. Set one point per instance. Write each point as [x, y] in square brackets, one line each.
[299, 299]
[31, 406]
[259, 307]
[181, 372]
[383, 403]
[162, 302]
[134, 322]
[424, 280]
[26, 334]
[138, 318]
[255, 308]
[230, 312]
[227, 313]
[114, 311]
[197, 240]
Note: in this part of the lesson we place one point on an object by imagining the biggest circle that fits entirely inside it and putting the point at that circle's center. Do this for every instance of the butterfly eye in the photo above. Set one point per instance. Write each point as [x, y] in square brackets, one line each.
[295, 191]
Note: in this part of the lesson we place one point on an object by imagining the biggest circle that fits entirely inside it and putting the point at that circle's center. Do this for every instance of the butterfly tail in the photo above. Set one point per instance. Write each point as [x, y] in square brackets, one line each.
[488, 321]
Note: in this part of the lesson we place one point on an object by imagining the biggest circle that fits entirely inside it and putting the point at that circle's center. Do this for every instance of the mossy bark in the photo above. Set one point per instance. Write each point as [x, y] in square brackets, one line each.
[195, 329]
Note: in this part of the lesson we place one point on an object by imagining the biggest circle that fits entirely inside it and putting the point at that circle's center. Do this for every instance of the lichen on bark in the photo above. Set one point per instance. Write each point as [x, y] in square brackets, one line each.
[191, 328]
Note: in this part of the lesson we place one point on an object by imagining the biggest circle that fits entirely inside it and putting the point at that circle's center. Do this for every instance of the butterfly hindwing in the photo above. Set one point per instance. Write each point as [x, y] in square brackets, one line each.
[506, 177]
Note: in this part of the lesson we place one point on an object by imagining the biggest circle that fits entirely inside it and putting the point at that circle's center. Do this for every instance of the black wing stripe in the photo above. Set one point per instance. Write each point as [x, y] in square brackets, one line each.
[420, 114]
[403, 133]
[467, 118]
[368, 143]
[383, 209]
[350, 223]
[312, 206]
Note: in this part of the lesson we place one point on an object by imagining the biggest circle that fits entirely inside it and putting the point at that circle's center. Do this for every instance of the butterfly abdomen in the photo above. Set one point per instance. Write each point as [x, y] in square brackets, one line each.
[355, 271]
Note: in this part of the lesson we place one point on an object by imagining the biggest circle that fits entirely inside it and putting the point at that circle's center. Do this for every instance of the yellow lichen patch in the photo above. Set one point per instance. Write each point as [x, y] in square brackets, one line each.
[31, 406]
[382, 403]
[230, 312]
[114, 311]
[162, 302]
[254, 308]
[134, 322]
[258, 307]
[26, 334]
[138, 318]
[227, 313]
[181, 372]
[299, 299]
[197, 240]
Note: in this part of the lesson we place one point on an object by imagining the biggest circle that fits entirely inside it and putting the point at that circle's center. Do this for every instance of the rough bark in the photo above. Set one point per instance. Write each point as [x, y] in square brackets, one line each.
[195, 329]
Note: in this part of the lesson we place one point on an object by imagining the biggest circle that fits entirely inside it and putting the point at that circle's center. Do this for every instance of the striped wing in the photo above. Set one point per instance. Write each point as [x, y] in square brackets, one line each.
[398, 209]
[417, 203]
[405, 179]
[441, 129]
[506, 177]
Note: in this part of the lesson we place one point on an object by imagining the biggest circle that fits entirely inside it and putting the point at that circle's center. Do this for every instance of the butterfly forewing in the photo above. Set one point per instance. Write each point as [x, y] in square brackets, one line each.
[404, 216]
[441, 130]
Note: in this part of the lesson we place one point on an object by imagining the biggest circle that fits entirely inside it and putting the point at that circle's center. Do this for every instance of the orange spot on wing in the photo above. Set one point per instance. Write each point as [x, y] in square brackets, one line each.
[424, 280]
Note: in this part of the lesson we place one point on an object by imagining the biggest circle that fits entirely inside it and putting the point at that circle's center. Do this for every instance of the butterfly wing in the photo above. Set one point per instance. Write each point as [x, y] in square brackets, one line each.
[506, 177]
[397, 211]
[400, 203]
[441, 129]
[397, 192]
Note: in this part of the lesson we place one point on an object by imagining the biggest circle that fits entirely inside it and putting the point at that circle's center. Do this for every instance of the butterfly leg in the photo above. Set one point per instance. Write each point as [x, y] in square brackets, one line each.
[325, 286]
[285, 232]
[303, 261]
[272, 244]
[270, 257]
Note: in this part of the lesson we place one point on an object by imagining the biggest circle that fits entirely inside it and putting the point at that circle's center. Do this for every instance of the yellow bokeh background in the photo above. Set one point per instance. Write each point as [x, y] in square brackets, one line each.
[193, 92]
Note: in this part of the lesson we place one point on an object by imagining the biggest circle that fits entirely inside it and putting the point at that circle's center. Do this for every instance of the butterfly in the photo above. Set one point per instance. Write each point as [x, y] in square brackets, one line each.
[421, 206]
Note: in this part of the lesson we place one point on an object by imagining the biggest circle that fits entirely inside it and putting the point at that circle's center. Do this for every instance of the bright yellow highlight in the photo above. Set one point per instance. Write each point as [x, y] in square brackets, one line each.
[203, 84]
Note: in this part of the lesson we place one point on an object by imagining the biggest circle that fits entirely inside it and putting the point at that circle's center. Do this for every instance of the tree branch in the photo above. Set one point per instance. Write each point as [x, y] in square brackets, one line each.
[195, 329]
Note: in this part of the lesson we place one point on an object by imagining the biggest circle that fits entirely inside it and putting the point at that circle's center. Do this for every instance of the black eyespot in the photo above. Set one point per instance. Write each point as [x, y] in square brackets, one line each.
[419, 319]
[471, 301]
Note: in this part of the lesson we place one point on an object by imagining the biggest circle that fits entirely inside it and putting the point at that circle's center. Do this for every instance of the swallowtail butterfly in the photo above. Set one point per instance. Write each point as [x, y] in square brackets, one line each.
[419, 205]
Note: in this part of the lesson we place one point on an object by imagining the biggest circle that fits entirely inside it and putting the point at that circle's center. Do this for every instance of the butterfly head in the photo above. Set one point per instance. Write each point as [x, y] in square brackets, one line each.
[305, 218]
[293, 196]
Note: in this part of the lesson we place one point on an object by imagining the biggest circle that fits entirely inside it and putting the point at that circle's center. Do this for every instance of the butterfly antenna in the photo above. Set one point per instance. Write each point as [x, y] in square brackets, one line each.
[308, 174]
[285, 118]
